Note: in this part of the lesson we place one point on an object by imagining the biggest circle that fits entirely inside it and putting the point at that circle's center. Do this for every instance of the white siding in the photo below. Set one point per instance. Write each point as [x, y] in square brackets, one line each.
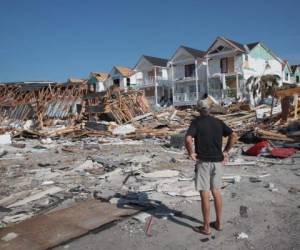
[100, 86]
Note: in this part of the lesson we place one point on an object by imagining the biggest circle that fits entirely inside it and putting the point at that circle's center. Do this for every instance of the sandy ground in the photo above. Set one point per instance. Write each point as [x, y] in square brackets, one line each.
[272, 220]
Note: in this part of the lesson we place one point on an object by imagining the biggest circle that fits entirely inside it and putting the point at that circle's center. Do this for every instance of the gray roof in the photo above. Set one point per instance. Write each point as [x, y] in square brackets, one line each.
[237, 44]
[252, 45]
[162, 62]
[194, 52]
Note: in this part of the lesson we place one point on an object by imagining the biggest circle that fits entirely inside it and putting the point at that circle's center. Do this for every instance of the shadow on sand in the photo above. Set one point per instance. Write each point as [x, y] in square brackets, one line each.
[141, 201]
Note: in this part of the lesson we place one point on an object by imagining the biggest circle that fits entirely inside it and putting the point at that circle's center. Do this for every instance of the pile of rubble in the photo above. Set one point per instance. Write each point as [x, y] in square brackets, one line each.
[56, 110]
[25, 106]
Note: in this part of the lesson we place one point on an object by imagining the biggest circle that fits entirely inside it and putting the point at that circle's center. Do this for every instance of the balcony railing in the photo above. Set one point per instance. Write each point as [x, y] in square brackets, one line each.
[150, 81]
[186, 97]
[220, 94]
[191, 98]
[185, 79]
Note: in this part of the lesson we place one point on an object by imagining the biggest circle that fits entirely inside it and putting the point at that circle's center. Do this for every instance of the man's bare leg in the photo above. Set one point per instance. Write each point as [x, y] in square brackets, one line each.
[218, 207]
[205, 210]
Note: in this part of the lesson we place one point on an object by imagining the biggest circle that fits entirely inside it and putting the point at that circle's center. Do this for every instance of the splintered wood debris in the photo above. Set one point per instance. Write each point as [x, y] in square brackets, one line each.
[56, 110]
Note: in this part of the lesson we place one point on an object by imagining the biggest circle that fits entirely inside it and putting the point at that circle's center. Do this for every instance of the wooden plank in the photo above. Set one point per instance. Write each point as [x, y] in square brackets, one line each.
[296, 106]
[287, 92]
[96, 126]
[49, 230]
[95, 109]
[272, 135]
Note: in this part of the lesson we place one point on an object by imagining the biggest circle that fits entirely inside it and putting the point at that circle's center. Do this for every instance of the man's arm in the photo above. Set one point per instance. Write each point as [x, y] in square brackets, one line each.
[189, 147]
[232, 138]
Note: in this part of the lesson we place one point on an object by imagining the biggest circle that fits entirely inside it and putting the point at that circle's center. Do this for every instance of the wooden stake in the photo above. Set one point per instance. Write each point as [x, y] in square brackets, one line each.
[296, 106]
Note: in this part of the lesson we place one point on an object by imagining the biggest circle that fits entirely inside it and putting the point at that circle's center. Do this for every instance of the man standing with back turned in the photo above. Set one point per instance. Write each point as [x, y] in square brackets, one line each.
[207, 132]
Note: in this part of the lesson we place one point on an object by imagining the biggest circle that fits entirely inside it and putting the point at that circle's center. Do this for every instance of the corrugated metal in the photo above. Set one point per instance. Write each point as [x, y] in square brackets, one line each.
[20, 103]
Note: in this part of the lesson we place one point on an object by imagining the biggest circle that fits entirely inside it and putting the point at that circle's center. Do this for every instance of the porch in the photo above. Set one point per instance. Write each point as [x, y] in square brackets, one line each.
[159, 95]
[186, 99]
[187, 93]
[151, 81]
[228, 85]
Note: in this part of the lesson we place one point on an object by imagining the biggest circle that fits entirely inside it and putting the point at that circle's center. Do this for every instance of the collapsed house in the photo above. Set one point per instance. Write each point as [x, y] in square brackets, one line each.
[50, 110]
[41, 103]
[115, 105]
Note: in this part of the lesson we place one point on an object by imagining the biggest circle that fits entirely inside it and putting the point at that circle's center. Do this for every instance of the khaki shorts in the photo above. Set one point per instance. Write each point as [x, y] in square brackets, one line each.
[208, 175]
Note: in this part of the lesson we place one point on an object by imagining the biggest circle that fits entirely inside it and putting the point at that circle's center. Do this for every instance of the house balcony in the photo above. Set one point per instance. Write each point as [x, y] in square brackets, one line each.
[185, 79]
[190, 99]
[186, 99]
[150, 82]
[225, 74]
[221, 94]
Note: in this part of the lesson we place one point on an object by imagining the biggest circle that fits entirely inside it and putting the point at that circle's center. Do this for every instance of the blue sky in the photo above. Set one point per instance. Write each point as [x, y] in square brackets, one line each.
[58, 39]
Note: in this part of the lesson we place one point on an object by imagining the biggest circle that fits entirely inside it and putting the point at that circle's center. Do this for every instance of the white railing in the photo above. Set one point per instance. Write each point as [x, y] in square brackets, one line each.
[148, 81]
[185, 79]
[191, 98]
[220, 94]
[186, 97]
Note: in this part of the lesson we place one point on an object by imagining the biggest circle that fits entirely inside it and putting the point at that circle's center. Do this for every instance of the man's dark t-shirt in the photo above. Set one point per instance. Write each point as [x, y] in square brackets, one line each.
[208, 132]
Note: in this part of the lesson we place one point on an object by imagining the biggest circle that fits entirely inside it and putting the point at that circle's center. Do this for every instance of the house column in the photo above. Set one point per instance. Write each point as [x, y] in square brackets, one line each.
[237, 85]
[196, 74]
[207, 76]
[173, 83]
[223, 84]
[155, 82]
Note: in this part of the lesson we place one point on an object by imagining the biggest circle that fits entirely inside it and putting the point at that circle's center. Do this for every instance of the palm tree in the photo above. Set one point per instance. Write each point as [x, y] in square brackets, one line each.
[260, 87]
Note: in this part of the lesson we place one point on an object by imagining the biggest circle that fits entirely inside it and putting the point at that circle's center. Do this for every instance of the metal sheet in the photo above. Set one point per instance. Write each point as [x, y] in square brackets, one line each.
[46, 231]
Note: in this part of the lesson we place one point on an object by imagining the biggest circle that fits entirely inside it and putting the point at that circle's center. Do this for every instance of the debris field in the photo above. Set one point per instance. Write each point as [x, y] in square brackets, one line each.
[65, 153]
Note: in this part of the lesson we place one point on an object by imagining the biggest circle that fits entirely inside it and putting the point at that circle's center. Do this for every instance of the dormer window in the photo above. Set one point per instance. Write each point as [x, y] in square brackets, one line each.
[217, 50]
[220, 48]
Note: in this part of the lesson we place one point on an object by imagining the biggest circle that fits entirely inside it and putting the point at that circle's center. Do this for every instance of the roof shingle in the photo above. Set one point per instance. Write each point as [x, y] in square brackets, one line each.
[237, 44]
[156, 61]
[194, 52]
[101, 76]
[127, 72]
[252, 45]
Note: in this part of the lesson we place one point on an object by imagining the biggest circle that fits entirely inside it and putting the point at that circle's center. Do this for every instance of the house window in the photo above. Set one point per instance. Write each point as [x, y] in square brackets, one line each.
[224, 65]
[158, 72]
[189, 70]
[246, 58]
[128, 81]
[286, 76]
[297, 79]
[117, 82]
